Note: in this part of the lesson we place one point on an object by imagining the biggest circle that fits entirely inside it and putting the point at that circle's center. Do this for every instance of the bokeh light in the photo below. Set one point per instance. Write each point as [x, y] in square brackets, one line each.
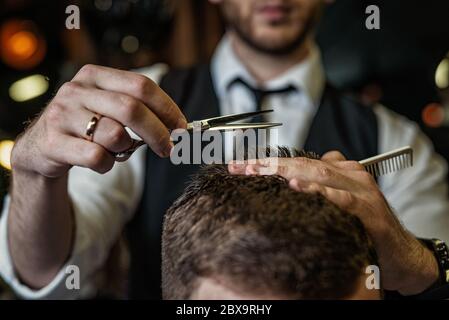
[433, 115]
[442, 74]
[21, 45]
[5, 153]
[28, 88]
[130, 44]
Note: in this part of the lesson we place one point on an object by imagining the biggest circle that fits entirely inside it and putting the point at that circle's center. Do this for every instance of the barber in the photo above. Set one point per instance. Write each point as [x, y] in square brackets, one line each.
[70, 201]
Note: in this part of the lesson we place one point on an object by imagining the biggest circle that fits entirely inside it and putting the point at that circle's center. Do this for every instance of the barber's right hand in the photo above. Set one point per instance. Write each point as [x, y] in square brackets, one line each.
[57, 139]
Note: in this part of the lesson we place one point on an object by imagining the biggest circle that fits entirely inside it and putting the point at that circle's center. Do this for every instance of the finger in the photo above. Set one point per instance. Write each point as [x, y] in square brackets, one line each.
[254, 170]
[342, 198]
[137, 86]
[265, 166]
[112, 135]
[333, 156]
[349, 165]
[108, 133]
[126, 110]
[240, 167]
[235, 168]
[295, 185]
[356, 172]
[321, 172]
[338, 160]
[79, 152]
[304, 169]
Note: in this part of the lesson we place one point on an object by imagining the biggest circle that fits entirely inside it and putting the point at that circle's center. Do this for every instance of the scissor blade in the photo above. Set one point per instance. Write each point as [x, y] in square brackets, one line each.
[243, 126]
[234, 117]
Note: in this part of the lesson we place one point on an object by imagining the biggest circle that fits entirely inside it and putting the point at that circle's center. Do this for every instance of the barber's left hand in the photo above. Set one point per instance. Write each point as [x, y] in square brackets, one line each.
[406, 265]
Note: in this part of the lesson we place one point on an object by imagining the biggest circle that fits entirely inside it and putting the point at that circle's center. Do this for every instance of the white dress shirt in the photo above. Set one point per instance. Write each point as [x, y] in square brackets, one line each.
[104, 203]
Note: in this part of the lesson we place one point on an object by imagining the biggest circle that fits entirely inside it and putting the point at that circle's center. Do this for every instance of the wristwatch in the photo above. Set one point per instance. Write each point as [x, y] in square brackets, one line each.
[440, 289]
[441, 252]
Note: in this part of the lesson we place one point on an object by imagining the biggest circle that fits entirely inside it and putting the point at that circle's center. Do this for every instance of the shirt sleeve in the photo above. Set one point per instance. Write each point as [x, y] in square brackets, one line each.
[102, 205]
[418, 194]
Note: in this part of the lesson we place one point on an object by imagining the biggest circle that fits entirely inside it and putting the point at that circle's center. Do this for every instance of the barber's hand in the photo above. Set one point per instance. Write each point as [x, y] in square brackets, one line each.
[57, 139]
[407, 266]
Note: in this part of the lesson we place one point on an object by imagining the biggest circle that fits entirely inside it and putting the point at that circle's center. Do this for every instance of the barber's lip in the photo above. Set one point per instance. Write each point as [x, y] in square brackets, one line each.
[274, 12]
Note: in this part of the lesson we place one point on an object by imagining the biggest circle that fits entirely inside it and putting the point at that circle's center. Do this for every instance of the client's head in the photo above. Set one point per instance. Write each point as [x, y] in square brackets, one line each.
[252, 237]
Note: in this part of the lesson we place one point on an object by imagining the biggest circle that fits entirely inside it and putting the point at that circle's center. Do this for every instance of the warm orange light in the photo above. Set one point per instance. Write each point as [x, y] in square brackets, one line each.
[21, 45]
[433, 115]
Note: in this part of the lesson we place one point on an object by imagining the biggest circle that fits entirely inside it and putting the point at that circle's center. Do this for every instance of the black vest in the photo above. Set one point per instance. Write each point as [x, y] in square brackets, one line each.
[341, 123]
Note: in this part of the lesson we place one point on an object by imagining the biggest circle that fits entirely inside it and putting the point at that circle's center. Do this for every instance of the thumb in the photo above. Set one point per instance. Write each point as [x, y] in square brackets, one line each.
[332, 156]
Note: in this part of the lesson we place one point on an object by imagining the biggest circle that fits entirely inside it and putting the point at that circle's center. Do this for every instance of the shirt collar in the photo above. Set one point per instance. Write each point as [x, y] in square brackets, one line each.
[308, 75]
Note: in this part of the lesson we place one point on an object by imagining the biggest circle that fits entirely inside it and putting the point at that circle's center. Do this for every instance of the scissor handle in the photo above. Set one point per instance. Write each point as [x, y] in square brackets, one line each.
[123, 156]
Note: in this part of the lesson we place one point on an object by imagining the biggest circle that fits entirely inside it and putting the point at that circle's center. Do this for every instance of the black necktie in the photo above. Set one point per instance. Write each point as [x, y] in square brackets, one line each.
[260, 94]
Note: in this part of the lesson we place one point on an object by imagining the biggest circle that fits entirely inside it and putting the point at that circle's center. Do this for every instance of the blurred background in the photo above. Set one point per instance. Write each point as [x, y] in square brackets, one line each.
[405, 65]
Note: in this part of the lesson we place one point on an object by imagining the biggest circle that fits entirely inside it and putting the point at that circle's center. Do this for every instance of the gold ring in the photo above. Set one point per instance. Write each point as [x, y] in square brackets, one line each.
[91, 126]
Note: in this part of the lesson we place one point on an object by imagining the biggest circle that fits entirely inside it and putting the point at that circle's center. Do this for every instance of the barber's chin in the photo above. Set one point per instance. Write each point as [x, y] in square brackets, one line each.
[277, 32]
[273, 41]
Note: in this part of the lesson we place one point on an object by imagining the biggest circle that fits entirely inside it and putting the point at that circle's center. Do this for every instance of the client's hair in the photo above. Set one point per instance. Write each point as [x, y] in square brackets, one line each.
[261, 236]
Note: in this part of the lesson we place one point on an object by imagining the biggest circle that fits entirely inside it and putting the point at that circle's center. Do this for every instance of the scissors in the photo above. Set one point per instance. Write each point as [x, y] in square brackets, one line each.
[216, 123]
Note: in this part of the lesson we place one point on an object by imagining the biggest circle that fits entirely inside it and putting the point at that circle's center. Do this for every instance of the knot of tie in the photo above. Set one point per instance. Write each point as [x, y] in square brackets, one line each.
[261, 94]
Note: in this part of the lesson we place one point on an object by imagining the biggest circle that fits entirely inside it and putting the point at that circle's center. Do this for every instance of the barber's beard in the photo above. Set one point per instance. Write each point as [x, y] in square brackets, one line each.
[238, 26]
[280, 50]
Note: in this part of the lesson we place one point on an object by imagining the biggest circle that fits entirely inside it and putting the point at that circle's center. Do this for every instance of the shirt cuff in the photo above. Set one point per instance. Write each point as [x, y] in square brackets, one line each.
[57, 288]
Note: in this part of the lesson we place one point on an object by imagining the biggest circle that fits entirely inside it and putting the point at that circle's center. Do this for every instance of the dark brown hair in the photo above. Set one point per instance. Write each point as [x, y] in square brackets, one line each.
[262, 236]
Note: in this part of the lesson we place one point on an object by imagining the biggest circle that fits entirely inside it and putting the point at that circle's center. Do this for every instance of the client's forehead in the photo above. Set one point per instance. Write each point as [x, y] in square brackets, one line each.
[209, 288]
[212, 289]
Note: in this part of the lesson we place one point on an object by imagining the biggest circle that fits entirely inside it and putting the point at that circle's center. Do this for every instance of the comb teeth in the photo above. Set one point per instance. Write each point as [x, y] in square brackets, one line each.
[389, 162]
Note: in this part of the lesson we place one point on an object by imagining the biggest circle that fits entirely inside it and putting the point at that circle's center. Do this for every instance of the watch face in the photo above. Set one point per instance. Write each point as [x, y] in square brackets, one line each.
[441, 253]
